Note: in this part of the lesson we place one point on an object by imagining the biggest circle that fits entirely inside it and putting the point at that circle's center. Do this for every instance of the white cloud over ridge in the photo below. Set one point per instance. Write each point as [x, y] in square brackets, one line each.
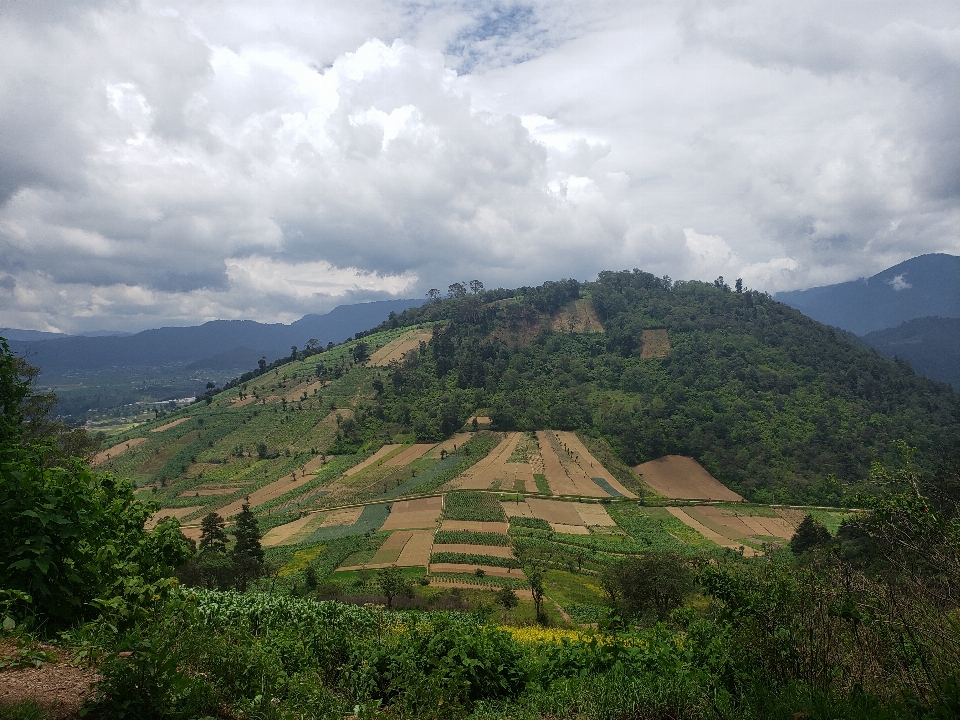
[182, 161]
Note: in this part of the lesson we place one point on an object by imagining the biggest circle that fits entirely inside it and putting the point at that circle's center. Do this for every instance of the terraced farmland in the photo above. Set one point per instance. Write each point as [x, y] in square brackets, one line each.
[473, 509]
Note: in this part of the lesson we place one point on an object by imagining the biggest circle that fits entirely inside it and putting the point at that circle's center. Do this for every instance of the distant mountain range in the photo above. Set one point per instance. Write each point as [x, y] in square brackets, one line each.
[931, 346]
[214, 345]
[924, 286]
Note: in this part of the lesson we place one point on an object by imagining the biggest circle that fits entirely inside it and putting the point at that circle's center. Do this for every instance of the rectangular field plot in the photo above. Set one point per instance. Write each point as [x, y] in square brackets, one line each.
[708, 533]
[562, 516]
[683, 478]
[475, 526]
[564, 474]
[295, 532]
[169, 425]
[374, 459]
[471, 569]
[411, 514]
[591, 467]
[117, 450]
[408, 456]
[492, 550]
[404, 548]
[495, 470]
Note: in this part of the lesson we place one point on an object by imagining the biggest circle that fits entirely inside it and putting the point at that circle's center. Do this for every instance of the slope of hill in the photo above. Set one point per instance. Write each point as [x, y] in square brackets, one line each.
[928, 285]
[181, 345]
[931, 345]
[770, 402]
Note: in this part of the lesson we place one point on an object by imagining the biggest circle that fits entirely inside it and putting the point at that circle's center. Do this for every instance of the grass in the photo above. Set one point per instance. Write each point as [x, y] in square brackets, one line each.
[23, 710]
[543, 487]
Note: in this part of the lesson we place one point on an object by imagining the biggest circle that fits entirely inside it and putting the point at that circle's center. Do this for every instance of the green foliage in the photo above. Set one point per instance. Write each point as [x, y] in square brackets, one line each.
[467, 537]
[72, 537]
[651, 585]
[212, 535]
[810, 534]
[391, 582]
[247, 534]
[473, 559]
[534, 523]
[543, 487]
[477, 506]
[23, 710]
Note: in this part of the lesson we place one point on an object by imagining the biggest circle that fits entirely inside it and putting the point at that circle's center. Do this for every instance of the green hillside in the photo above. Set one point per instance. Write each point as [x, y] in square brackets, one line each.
[773, 404]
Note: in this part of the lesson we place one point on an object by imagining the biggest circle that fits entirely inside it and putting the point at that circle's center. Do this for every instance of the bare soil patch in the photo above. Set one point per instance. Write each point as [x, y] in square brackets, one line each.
[416, 552]
[476, 525]
[470, 569]
[683, 478]
[588, 464]
[409, 455]
[594, 515]
[709, 534]
[343, 516]
[266, 493]
[280, 534]
[117, 450]
[569, 529]
[654, 344]
[169, 425]
[372, 460]
[58, 687]
[495, 470]
[414, 514]
[578, 317]
[394, 350]
[177, 513]
[557, 478]
[555, 511]
[450, 445]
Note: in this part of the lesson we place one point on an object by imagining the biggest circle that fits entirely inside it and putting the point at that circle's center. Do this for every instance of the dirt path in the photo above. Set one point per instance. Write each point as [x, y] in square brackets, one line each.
[57, 686]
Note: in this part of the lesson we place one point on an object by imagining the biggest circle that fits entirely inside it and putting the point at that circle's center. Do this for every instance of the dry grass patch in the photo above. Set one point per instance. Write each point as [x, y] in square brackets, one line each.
[683, 478]
[654, 344]
[450, 445]
[117, 450]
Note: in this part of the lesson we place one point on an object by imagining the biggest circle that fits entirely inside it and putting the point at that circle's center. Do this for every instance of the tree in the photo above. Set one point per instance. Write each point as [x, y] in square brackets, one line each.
[476, 287]
[739, 285]
[535, 577]
[457, 290]
[212, 536]
[391, 583]
[360, 352]
[262, 364]
[507, 599]
[652, 584]
[811, 533]
[247, 532]
[433, 294]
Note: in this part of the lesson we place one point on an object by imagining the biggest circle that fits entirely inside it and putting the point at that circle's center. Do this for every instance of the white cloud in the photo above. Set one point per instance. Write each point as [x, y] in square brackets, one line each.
[186, 160]
[899, 283]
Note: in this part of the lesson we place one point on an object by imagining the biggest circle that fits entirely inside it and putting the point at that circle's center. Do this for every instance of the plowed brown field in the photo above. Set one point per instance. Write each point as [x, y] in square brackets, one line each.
[412, 514]
[373, 459]
[494, 468]
[169, 425]
[683, 478]
[394, 350]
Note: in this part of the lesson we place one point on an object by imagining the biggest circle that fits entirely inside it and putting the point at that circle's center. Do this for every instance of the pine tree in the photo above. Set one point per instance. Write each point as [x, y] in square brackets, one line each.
[811, 533]
[212, 536]
[248, 535]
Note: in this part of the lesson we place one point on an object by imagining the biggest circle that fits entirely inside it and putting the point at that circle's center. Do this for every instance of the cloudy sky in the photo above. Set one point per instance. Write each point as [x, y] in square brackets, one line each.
[168, 162]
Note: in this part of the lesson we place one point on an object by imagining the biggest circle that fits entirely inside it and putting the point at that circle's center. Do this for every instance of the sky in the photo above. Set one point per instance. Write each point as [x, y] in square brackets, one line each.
[168, 163]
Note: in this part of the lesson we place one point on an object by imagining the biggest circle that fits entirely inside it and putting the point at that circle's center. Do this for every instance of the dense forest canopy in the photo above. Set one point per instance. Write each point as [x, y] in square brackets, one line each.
[776, 405]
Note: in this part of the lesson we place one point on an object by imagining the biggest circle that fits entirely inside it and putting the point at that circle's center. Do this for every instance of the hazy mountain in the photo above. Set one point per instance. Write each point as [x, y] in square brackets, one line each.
[928, 285]
[931, 345]
[175, 346]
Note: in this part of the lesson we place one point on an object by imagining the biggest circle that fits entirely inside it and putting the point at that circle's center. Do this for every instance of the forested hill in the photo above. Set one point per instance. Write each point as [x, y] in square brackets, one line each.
[771, 402]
